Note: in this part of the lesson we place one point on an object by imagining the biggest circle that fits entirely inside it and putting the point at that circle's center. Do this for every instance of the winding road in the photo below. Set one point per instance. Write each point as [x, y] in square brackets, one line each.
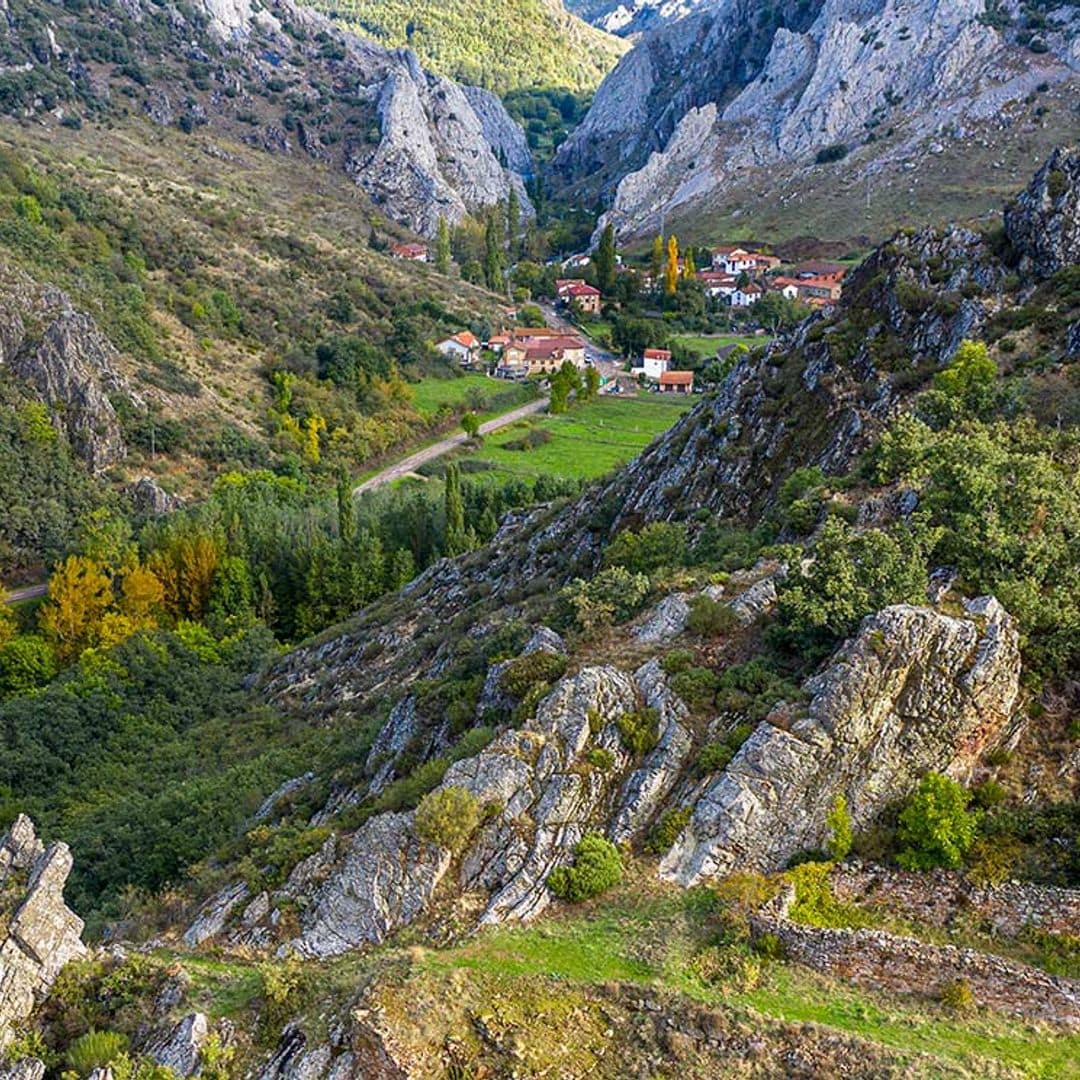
[29, 592]
[413, 462]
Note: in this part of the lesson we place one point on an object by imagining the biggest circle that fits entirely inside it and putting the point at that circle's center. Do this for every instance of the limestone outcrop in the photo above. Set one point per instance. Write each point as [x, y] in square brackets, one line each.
[67, 361]
[40, 933]
[914, 691]
[1043, 223]
[704, 99]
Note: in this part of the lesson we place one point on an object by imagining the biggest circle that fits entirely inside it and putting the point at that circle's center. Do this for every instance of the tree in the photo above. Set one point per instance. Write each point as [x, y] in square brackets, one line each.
[142, 595]
[26, 663]
[560, 395]
[346, 508]
[80, 592]
[689, 269]
[656, 259]
[592, 383]
[671, 272]
[470, 424]
[604, 260]
[442, 247]
[513, 222]
[936, 826]
[456, 536]
[493, 260]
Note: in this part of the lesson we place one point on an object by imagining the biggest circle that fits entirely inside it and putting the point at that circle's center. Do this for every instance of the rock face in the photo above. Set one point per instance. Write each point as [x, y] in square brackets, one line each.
[181, 1048]
[421, 146]
[629, 17]
[42, 934]
[727, 88]
[1043, 224]
[67, 361]
[915, 691]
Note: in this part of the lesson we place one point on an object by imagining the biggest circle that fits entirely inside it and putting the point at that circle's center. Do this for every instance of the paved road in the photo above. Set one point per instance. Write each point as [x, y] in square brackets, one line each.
[608, 364]
[30, 592]
[413, 462]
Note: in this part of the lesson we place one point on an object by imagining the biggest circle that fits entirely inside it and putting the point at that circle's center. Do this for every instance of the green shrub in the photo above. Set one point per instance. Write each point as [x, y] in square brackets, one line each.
[710, 619]
[666, 831]
[936, 827]
[697, 687]
[522, 674]
[448, 817]
[676, 661]
[958, 996]
[597, 867]
[816, 905]
[639, 731]
[95, 1050]
[713, 757]
[838, 820]
[989, 793]
[661, 545]
[601, 759]
[612, 596]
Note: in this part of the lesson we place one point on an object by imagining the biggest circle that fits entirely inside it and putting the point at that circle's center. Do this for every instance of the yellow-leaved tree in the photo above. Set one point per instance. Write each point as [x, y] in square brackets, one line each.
[671, 271]
[80, 592]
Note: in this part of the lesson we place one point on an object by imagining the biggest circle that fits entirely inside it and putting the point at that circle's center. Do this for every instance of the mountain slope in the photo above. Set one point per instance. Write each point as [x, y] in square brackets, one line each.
[280, 77]
[506, 45]
[580, 802]
[629, 17]
[724, 103]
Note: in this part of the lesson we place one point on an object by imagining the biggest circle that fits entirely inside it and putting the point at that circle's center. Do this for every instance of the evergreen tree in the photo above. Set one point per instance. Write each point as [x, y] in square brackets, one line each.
[457, 540]
[671, 271]
[346, 508]
[493, 261]
[442, 247]
[604, 260]
[513, 223]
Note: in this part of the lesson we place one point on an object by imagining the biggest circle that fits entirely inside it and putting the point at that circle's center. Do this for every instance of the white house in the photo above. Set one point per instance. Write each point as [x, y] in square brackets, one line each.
[746, 295]
[734, 260]
[655, 362]
[461, 347]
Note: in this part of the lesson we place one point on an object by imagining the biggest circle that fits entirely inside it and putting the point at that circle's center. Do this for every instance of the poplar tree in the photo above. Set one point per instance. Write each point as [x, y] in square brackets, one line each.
[656, 260]
[492, 255]
[456, 536]
[671, 272]
[442, 247]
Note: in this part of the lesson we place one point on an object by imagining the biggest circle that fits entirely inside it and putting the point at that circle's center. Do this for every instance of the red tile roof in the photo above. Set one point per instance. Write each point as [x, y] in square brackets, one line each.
[677, 378]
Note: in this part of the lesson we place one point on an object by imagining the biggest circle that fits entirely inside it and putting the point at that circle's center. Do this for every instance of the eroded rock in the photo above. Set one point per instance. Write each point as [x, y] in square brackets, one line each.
[915, 691]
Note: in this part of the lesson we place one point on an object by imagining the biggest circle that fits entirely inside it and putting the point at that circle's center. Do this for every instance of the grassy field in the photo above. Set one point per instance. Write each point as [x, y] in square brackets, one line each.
[475, 392]
[705, 345]
[608, 944]
[586, 442]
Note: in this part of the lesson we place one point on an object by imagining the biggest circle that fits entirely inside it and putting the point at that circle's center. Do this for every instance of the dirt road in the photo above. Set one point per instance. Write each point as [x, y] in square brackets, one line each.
[413, 462]
[30, 592]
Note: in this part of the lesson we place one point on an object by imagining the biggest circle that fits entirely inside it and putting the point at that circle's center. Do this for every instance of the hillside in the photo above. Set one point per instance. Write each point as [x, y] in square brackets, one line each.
[757, 757]
[842, 120]
[205, 270]
[279, 77]
[502, 46]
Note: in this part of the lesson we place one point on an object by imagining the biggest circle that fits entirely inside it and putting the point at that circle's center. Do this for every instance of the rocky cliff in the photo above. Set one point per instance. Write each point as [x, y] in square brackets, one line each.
[632, 17]
[695, 105]
[67, 362]
[39, 934]
[284, 78]
[915, 691]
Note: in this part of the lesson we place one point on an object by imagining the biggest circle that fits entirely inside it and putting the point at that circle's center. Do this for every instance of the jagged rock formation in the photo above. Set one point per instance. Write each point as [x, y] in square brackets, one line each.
[630, 17]
[915, 691]
[68, 362]
[1043, 224]
[42, 934]
[691, 107]
[181, 1048]
[418, 144]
